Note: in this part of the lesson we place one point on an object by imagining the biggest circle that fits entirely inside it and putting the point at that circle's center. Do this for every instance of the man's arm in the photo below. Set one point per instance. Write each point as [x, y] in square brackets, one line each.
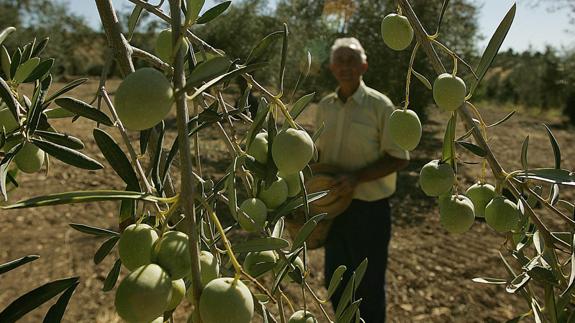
[386, 165]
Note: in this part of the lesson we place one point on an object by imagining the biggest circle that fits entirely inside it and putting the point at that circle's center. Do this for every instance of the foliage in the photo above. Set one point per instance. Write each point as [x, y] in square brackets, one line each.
[77, 48]
[540, 263]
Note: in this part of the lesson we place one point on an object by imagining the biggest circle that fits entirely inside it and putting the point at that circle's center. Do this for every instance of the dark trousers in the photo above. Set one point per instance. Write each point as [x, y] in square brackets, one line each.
[362, 231]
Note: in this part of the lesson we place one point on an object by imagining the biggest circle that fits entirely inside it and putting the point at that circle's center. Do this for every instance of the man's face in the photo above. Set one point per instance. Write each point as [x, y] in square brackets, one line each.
[347, 66]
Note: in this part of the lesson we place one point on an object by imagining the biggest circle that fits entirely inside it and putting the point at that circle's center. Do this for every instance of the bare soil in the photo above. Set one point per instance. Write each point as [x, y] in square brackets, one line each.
[430, 271]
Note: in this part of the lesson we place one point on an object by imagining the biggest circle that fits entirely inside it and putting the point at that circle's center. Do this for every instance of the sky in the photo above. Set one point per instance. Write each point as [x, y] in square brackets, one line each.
[533, 27]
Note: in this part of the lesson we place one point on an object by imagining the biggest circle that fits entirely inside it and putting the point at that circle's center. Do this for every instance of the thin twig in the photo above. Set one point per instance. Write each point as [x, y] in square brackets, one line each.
[126, 139]
[186, 172]
[155, 61]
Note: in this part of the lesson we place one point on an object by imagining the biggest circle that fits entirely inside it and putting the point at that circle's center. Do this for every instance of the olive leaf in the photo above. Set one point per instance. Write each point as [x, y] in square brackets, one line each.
[25, 69]
[16, 60]
[33, 299]
[549, 175]
[112, 276]
[66, 88]
[105, 249]
[493, 47]
[261, 244]
[56, 311]
[262, 49]
[284, 58]
[555, 146]
[81, 197]
[507, 117]
[5, 33]
[208, 70]
[473, 148]
[6, 267]
[422, 79]
[5, 62]
[8, 98]
[67, 155]
[193, 7]
[335, 280]
[93, 230]
[83, 109]
[116, 158]
[306, 230]
[524, 148]
[213, 12]
[60, 139]
[40, 46]
[35, 111]
[448, 152]
[133, 20]
[40, 71]
[488, 280]
[346, 297]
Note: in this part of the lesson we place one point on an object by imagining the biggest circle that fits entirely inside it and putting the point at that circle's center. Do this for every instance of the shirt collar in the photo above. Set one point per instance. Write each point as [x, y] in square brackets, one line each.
[357, 96]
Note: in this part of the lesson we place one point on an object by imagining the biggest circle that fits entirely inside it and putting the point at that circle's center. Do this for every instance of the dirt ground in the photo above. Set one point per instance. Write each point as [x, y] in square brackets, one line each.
[430, 271]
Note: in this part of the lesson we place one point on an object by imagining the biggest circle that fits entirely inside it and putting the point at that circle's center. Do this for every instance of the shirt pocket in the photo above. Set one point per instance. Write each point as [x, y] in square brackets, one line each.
[365, 140]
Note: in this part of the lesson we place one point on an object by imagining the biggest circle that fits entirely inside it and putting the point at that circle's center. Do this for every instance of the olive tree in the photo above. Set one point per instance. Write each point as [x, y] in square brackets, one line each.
[170, 240]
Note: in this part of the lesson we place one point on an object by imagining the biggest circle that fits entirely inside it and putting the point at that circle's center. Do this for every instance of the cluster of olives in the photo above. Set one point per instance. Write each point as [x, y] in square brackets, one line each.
[457, 212]
[292, 150]
[448, 90]
[30, 158]
[158, 265]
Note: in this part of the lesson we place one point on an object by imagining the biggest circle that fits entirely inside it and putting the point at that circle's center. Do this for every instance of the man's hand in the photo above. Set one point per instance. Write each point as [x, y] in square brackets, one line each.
[344, 184]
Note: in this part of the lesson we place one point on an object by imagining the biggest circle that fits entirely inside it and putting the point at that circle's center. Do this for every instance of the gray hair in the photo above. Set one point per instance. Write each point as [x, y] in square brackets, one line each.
[351, 43]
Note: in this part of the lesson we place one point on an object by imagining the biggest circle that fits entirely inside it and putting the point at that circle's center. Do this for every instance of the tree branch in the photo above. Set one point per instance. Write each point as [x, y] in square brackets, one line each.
[116, 40]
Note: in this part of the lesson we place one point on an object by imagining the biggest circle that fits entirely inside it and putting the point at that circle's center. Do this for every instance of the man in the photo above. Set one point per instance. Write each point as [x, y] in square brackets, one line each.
[356, 140]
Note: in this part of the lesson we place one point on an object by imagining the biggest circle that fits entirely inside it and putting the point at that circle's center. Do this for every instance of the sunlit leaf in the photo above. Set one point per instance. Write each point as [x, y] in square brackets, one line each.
[492, 281]
[550, 175]
[5, 33]
[493, 47]
[193, 7]
[524, 149]
[81, 197]
[422, 79]
[556, 149]
[213, 12]
[25, 69]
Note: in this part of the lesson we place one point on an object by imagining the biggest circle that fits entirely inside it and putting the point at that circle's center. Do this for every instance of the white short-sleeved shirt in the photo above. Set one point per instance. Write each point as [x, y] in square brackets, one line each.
[356, 135]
